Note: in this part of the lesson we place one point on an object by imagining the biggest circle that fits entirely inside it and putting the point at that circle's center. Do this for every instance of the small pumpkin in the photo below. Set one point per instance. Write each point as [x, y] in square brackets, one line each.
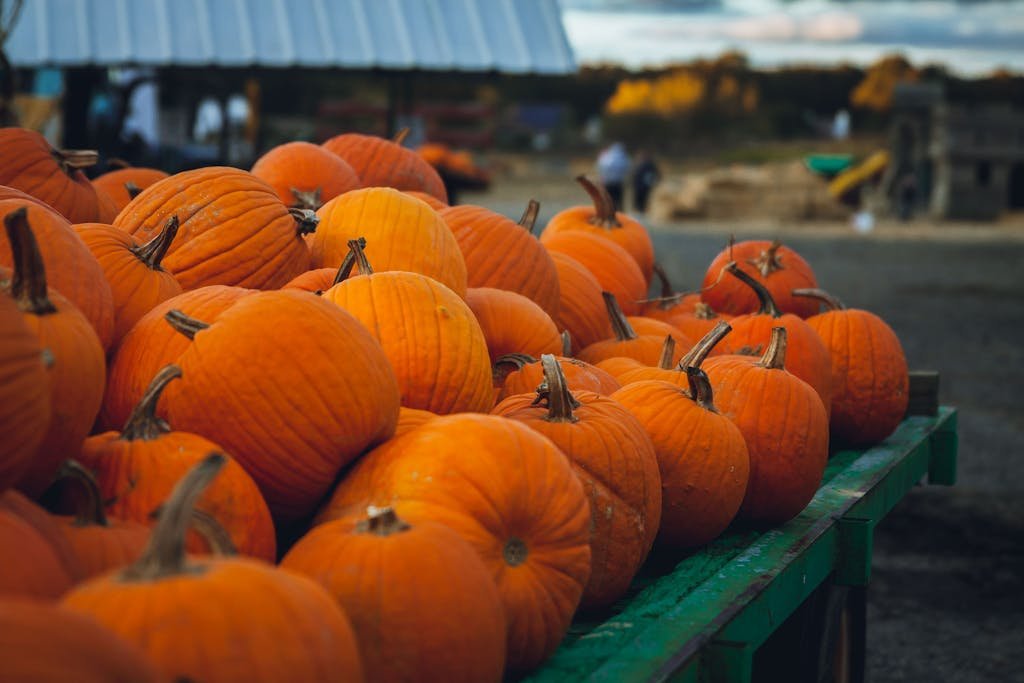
[581, 308]
[385, 163]
[643, 348]
[125, 184]
[675, 373]
[521, 374]
[304, 175]
[779, 268]
[610, 264]
[512, 323]
[39, 562]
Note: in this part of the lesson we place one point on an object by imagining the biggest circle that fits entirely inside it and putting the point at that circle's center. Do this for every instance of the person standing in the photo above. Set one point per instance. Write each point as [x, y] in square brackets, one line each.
[645, 176]
[612, 168]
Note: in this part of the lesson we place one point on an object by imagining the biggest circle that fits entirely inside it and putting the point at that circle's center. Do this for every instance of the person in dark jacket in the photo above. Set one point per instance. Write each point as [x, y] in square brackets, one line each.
[645, 176]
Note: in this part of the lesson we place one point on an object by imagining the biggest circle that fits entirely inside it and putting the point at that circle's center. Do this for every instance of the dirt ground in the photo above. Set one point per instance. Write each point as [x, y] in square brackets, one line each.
[946, 600]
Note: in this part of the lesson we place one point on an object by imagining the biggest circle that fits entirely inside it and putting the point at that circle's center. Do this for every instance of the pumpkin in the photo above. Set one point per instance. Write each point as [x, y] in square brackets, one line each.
[151, 344]
[431, 201]
[137, 280]
[385, 163]
[71, 350]
[125, 184]
[401, 233]
[776, 266]
[520, 374]
[411, 418]
[581, 309]
[71, 269]
[614, 460]
[516, 501]
[215, 618]
[511, 323]
[137, 467]
[870, 382]
[233, 229]
[784, 424]
[430, 336]
[666, 370]
[646, 348]
[422, 603]
[503, 254]
[304, 175]
[604, 221]
[669, 303]
[610, 264]
[319, 280]
[701, 455]
[11, 193]
[38, 560]
[41, 643]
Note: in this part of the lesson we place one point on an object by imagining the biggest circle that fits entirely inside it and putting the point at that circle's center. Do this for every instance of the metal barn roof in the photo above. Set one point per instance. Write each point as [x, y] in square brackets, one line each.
[514, 36]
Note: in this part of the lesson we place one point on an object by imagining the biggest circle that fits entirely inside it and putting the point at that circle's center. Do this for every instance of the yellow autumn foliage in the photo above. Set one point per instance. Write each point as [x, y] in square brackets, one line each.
[673, 93]
[875, 91]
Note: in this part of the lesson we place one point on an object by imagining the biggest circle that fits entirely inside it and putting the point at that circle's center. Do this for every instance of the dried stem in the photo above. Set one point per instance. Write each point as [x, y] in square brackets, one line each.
[831, 303]
[604, 208]
[28, 284]
[620, 325]
[152, 252]
[529, 218]
[143, 423]
[768, 306]
[696, 355]
[554, 390]
[668, 350]
[184, 324]
[774, 357]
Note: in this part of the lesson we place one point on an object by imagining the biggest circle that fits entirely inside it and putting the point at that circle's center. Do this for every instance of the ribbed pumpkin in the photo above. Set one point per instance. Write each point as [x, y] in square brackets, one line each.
[12, 193]
[603, 220]
[125, 184]
[516, 501]
[411, 418]
[773, 264]
[422, 603]
[430, 336]
[38, 561]
[137, 280]
[28, 163]
[71, 269]
[503, 254]
[870, 383]
[675, 373]
[432, 201]
[511, 323]
[385, 163]
[644, 348]
[137, 467]
[784, 424]
[402, 233]
[41, 643]
[291, 386]
[233, 229]
[521, 374]
[702, 457]
[610, 264]
[304, 175]
[219, 619]
[615, 461]
[581, 308]
[151, 344]
[72, 353]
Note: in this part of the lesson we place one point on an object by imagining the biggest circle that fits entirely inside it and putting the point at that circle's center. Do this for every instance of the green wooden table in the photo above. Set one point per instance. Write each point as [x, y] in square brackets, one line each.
[705, 616]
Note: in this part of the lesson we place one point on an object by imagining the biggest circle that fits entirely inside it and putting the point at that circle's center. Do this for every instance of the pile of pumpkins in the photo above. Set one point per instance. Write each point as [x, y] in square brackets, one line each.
[309, 422]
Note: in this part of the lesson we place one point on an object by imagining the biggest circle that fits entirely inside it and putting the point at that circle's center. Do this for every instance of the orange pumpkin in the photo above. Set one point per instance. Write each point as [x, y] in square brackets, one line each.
[422, 603]
[511, 323]
[610, 264]
[521, 374]
[581, 309]
[666, 370]
[776, 266]
[385, 163]
[411, 418]
[643, 348]
[304, 175]
[431, 201]
[669, 303]
[319, 280]
[125, 184]
[38, 561]
[233, 229]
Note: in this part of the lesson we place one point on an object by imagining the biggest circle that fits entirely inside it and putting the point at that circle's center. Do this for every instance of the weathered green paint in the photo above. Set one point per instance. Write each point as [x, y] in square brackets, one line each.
[706, 614]
[856, 539]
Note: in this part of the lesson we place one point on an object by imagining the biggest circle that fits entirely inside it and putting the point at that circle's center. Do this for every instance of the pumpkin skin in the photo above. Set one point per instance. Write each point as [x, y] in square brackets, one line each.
[383, 163]
[71, 269]
[604, 221]
[402, 233]
[41, 643]
[646, 349]
[11, 193]
[521, 374]
[397, 583]
[610, 264]
[701, 455]
[614, 460]
[773, 264]
[411, 418]
[870, 380]
[115, 184]
[503, 254]
[581, 308]
[233, 229]
[212, 618]
[316, 281]
[531, 529]
[38, 561]
[431, 201]
[784, 424]
[304, 175]
[511, 323]
[137, 281]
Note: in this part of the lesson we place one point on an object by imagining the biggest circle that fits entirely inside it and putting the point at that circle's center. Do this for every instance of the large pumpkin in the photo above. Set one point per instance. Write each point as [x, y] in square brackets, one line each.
[234, 230]
[610, 264]
[581, 309]
[38, 561]
[304, 175]
[776, 266]
[125, 184]
[511, 323]
[385, 163]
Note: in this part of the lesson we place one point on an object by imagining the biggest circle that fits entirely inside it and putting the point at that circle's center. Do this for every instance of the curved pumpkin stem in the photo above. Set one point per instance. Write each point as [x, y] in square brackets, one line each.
[668, 350]
[132, 189]
[700, 388]
[555, 391]
[143, 423]
[381, 522]
[400, 136]
[604, 208]
[668, 297]
[348, 263]
[355, 247]
[89, 512]
[566, 344]
[620, 325]
[185, 324]
[832, 303]
[71, 160]
[774, 357]
[212, 531]
[696, 355]
[305, 220]
[165, 553]
[28, 284]
[768, 306]
[152, 252]
[306, 200]
[768, 262]
[507, 364]
[529, 217]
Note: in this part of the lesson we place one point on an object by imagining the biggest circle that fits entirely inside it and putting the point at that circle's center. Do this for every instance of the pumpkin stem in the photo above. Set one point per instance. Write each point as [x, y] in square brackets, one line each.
[529, 217]
[515, 552]
[620, 325]
[768, 306]
[400, 136]
[71, 160]
[668, 350]
[184, 324]
[666, 286]
[696, 355]
[152, 252]
[555, 390]
[143, 423]
[28, 284]
[700, 388]
[356, 248]
[349, 262]
[774, 357]
[604, 208]
[305, 220]
[89, 511]
[132, 189]
[832, 303]
[306, 199]
[507, 364]
[165, 553]
[566, 344]
[704, 312]
[768, 262]
[206, 525]
[381, 522]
